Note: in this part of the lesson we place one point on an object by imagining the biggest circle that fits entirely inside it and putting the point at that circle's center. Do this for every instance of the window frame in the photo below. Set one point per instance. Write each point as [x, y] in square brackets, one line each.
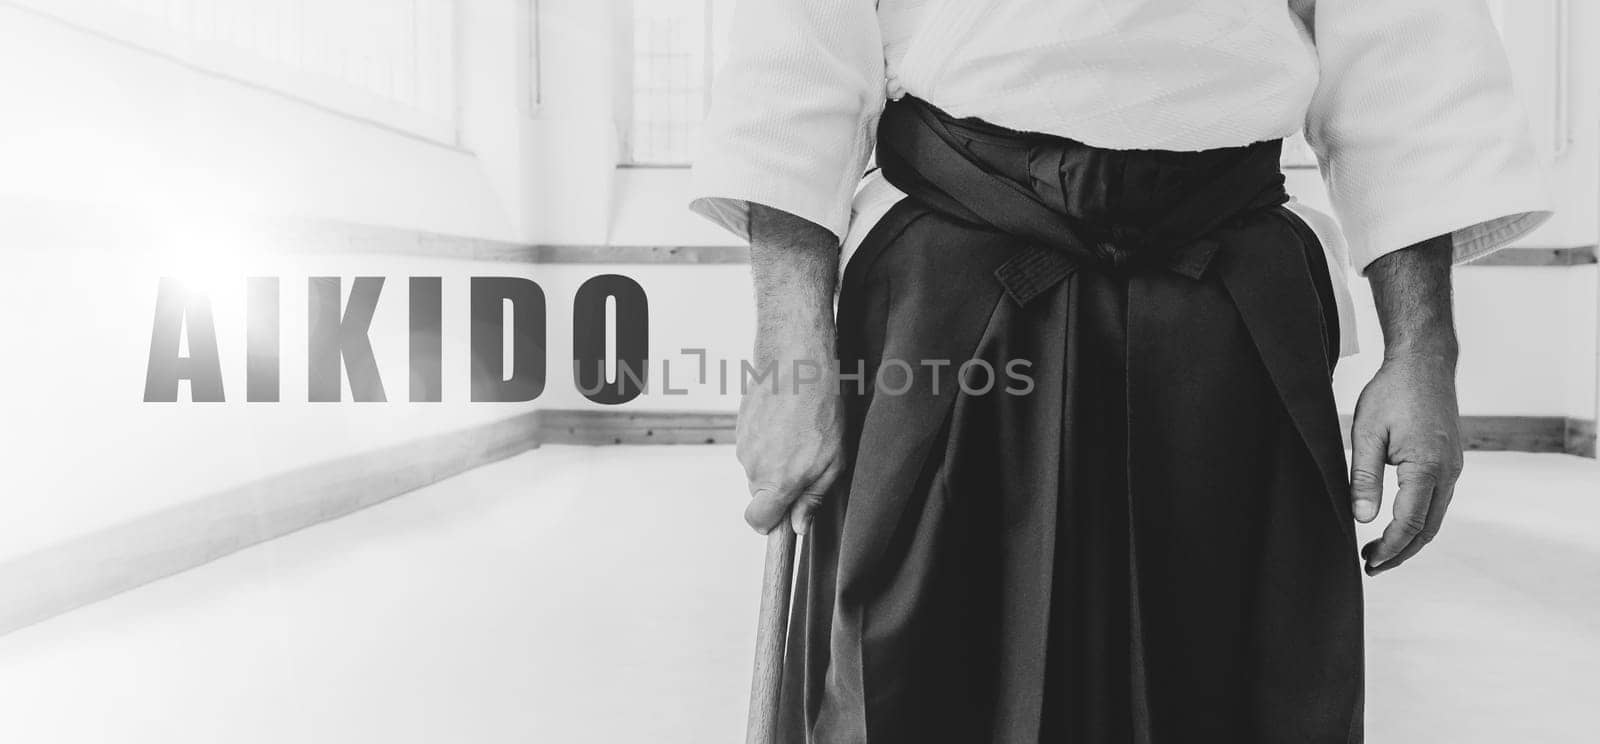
[623, 80]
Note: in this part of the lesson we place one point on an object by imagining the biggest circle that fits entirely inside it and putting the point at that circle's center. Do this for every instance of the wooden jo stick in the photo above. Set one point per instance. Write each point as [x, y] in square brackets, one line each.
[777, 582]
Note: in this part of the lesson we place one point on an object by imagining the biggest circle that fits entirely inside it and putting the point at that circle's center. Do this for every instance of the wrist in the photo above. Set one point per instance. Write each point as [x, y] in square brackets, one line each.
[1412, 292]
[1434, 348]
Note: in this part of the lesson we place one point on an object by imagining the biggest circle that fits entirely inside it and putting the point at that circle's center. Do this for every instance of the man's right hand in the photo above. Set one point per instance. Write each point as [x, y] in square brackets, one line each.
[791, 441]
[791, 421]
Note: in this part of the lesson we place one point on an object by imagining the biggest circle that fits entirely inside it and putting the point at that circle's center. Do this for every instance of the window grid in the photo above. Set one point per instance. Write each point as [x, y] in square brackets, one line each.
[669, 88]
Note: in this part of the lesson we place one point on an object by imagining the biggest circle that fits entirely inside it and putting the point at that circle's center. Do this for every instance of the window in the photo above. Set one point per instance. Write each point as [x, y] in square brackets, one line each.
[391, 62]
[673, 47]
[669, 81]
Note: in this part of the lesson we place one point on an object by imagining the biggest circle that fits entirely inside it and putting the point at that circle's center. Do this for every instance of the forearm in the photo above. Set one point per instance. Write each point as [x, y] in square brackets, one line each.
[1411, 288]
[794, 263]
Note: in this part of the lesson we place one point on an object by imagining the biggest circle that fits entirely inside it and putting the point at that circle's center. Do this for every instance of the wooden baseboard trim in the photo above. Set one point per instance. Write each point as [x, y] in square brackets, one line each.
[321, 236]
[331, 237]
[1551, 434]
[635, 427]
[1528, 256]
[1581, 437]
[299, 236]
[327, 236]
[643, 254]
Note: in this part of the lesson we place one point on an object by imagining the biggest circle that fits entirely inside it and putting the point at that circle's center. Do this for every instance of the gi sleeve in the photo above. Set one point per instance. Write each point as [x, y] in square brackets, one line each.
[793, 113]
[1418, 129]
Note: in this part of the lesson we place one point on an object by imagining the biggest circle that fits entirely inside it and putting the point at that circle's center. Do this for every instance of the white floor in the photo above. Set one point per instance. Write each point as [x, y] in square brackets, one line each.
[608, 595]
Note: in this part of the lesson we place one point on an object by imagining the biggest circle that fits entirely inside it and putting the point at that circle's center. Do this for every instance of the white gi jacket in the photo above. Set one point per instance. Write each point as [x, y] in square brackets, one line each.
[1408, 104]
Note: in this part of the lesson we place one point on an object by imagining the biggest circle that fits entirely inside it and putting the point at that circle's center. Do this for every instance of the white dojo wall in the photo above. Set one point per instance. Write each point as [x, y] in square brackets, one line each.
[121, 166]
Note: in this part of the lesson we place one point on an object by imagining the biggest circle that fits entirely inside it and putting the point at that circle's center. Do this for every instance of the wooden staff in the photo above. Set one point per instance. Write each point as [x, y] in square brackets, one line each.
[777, 582]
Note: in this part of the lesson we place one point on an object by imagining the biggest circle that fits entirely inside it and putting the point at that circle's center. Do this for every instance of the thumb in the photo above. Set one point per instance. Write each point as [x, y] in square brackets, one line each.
[767, 508]
[1370, 452]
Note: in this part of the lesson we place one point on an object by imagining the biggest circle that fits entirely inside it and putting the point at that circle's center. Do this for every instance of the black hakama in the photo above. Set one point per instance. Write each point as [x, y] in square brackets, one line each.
[1154, 544]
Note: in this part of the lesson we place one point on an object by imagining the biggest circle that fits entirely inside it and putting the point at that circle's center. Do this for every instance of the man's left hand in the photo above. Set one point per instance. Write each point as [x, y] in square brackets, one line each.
[1406, 417]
